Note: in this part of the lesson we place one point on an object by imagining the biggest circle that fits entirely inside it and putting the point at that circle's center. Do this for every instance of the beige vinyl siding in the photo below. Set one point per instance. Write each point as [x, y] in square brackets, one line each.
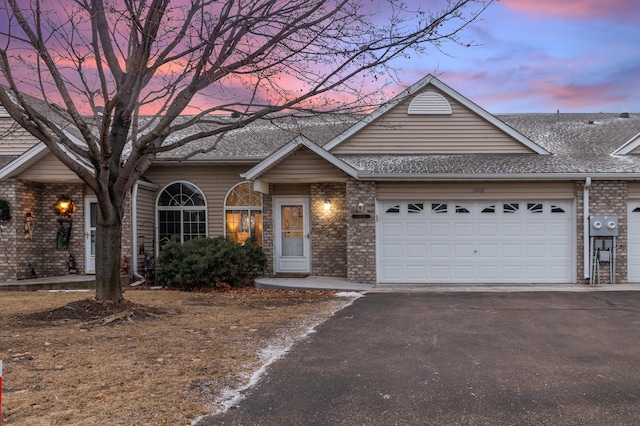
[463, 132]
[14, 140]
[49, 169]
[304, 165]
[290, 189]
[475, 190]
[214, 181]
[633, 189]
[146, 220]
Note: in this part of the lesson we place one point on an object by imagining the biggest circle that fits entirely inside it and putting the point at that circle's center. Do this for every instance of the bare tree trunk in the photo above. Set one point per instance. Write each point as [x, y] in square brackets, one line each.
[108, 252]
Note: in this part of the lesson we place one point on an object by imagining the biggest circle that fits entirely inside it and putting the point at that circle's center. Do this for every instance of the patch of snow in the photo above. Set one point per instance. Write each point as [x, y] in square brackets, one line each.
[67, 291]
[351, 294]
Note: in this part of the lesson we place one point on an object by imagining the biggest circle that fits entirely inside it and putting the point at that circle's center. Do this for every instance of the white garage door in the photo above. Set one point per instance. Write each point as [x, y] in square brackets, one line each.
[475, 242]
[633, 241]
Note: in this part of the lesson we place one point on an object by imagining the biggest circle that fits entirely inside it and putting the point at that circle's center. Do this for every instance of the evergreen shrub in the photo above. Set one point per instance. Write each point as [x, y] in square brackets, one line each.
[209, 262]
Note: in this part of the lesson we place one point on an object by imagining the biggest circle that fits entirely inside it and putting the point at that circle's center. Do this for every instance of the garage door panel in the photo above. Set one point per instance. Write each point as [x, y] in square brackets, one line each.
[440, 251]
[464, 272]
[464, 229]
[511, 251]
[536, 250]
[440, 274]
[538, 229]
[512, 272]
[510, 229]
[392, 250]
[488, 251]
[562, 251]
[392, 229]
[462, 251]
[487, 272]
[487, 229]
[417, 250]
[392, 273]
[416, 273]
[633, 242]
[440, 229]
[418, 230]
[478, 242]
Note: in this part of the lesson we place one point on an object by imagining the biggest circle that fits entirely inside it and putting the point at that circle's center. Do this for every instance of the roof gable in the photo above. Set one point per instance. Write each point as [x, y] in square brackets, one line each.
[630, 147]
[330, 167]
[432, 118]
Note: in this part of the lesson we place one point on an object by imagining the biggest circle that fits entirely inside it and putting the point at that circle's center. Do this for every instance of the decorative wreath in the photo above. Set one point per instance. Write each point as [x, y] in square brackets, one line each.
[5, 210]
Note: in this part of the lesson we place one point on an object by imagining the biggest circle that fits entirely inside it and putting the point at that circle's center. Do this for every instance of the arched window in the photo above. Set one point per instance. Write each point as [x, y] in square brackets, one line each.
[243, 214]
[182, 212]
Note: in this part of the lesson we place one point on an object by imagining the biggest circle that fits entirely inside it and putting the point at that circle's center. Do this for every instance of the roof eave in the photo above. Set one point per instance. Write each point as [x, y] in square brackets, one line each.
[425, 177]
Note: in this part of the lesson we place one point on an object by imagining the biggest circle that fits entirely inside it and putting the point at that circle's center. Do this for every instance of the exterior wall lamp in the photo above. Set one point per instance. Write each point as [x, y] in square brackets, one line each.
[65, 207]
[327, 205]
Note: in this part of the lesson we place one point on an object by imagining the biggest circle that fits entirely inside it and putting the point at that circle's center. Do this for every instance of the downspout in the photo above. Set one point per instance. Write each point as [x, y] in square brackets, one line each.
[134, 229]
[585, 232]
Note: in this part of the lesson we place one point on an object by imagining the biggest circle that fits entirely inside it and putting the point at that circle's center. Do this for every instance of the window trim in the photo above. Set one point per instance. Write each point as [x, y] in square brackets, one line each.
[180, 209]
[249, 209]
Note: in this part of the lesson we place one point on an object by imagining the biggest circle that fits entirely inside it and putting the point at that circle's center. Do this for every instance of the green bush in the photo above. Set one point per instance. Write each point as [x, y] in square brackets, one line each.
[209, 262]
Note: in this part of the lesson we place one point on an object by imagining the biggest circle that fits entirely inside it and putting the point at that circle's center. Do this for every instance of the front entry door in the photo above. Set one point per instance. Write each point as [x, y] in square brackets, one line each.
[292, 248]
[90, 221]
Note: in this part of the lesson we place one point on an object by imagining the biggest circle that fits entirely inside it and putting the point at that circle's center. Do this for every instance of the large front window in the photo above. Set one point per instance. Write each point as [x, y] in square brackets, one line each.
[181, 213]
[243, 214]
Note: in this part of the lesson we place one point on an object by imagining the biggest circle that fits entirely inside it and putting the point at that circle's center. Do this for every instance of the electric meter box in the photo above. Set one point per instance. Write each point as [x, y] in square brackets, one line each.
[603, 226]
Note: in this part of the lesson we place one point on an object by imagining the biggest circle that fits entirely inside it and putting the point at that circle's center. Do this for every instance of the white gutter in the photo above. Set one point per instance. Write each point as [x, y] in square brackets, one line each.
[426, 177]
[134, 229]
[586, 243]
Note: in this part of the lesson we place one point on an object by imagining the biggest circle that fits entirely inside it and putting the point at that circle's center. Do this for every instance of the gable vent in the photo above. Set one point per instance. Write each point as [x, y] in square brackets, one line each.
[429, 103]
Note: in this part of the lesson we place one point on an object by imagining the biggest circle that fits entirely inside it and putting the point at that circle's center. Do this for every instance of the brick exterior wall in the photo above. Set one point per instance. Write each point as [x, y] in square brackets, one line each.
[328, 230]
[267, 230]
[8, 232]
[605, 198]
[361, 232]
[25, 258]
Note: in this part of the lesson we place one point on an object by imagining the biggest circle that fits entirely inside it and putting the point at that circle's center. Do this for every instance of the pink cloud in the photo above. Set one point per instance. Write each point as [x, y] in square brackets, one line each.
[577, 9]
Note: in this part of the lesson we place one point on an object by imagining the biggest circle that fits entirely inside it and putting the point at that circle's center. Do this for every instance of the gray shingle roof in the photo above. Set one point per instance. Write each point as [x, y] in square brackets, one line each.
[260, 138]
[578, 147]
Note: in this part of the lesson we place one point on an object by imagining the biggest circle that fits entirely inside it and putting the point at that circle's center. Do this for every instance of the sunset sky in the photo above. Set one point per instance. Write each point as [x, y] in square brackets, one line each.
[545, 55]
[539, 56]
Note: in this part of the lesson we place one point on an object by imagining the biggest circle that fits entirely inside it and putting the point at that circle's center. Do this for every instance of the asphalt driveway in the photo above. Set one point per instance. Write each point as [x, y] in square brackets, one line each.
[459, 358]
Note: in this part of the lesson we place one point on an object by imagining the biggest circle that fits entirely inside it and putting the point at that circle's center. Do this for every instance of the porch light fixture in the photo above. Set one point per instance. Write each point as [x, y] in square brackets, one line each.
[65, 206]
[327, 205]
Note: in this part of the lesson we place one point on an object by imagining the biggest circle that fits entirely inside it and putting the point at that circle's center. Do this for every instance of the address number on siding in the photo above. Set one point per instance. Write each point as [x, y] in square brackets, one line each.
[478, 190]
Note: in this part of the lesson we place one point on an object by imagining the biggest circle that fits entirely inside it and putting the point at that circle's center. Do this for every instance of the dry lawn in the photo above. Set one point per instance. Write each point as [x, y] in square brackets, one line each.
[163, 366]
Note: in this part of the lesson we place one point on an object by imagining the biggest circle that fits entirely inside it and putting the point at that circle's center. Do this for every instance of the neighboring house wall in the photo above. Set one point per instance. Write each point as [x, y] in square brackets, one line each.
[462, 132]
[361, 232]
[328, 230]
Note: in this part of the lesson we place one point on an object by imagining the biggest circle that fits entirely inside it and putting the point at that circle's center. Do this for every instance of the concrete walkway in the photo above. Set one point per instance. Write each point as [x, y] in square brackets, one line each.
[76, 282]
[337, 283]
[63, 282]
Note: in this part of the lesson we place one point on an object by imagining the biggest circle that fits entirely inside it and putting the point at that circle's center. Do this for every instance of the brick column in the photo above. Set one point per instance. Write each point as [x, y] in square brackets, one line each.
[328, 230]
[361, 232]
